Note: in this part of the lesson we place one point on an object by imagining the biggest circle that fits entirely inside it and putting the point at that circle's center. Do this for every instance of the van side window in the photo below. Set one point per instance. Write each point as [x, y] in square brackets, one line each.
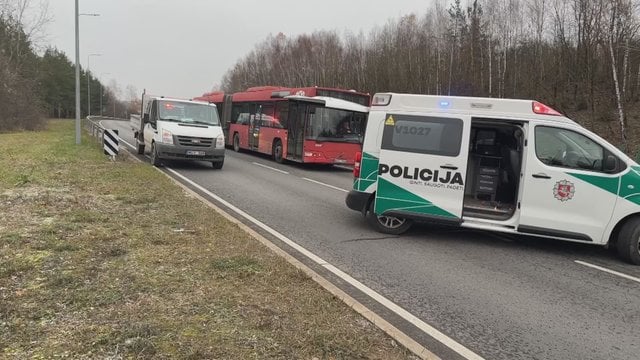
[422, 134]
[569, 149]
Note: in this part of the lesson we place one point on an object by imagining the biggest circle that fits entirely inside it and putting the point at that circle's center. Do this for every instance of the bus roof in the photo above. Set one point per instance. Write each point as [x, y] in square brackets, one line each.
[476, 105]
[332, 103]
[275, 93]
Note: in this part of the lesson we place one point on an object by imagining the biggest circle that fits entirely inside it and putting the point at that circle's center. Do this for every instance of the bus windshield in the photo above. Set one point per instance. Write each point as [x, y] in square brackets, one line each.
[188, 113]
[327, 124]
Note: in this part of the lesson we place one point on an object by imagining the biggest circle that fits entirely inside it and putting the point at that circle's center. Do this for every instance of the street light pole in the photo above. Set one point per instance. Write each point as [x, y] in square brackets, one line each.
[101, 90]
[77, 74]
[77, 15]
[88, 83]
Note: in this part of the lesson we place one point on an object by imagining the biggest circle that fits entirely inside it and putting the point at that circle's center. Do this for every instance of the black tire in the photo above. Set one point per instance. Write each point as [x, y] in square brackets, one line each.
[217, 164]
[236, 142]
[628, 242]
[155, 160]
[277, 151]
[387, 224]
[140, 149]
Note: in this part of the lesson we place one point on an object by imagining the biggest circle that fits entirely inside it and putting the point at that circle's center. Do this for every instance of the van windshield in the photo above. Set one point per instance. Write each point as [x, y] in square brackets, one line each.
[327, 124]
[188, 113]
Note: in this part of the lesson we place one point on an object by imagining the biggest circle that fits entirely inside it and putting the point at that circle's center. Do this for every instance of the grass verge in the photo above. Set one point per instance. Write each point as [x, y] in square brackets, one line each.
[102, 259]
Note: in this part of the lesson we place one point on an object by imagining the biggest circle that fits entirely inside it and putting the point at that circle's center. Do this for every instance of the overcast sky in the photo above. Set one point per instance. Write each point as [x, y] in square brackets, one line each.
[183, 47]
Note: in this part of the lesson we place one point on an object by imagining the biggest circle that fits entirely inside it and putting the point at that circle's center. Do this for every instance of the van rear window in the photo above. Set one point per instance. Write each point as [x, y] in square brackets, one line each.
[422, 134]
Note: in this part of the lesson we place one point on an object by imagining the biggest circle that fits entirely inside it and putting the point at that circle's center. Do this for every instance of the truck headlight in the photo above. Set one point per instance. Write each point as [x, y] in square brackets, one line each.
[167, 137]
[220, 142]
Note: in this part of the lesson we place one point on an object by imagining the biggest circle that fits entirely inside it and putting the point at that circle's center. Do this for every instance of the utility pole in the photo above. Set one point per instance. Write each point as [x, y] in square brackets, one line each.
[77, 15]
[77, 74]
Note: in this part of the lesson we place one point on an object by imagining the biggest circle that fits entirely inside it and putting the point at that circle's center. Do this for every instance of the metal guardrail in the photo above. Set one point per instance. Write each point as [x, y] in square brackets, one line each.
[94, 127]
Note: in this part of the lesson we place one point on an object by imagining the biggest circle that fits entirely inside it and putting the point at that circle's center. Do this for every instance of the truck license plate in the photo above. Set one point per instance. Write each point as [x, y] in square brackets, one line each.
[195, 153]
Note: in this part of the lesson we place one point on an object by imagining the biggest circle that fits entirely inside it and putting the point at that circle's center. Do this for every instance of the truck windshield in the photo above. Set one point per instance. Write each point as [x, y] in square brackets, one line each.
[326, 124]
[188, 113]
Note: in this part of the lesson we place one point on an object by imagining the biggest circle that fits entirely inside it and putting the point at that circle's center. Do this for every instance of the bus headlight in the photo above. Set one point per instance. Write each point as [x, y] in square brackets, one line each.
[220, 142]
[167, 137]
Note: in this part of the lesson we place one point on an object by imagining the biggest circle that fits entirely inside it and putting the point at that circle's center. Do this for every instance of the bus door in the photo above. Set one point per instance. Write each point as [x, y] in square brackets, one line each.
[225, 115]
[423, 165]
[254, 128]
[295, 130]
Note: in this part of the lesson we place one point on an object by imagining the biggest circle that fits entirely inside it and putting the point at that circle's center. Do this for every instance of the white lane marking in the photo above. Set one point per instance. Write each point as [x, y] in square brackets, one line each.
[271, 168]
[131, 146]
[327, 185]
[428, 329]
[613, 272]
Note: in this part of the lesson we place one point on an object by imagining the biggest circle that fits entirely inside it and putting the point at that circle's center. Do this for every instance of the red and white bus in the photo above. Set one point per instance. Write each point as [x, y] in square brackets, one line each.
[307, 125]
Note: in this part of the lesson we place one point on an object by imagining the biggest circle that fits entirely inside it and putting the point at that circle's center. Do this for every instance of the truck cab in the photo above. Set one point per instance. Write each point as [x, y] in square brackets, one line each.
[174, 129]
[512, 166]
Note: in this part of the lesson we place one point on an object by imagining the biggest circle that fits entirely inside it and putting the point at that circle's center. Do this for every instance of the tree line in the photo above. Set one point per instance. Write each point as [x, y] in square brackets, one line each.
[35, 85]
[579, 56]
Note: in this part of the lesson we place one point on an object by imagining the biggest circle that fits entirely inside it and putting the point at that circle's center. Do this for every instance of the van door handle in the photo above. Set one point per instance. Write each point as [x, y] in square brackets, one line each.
[541, 176]
[449, 167]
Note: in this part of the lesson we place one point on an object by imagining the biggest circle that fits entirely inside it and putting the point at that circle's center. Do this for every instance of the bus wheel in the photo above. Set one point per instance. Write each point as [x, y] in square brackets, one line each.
[236, 142]
[277, 151]
[155, 160]
[628, 242]
[387, 224]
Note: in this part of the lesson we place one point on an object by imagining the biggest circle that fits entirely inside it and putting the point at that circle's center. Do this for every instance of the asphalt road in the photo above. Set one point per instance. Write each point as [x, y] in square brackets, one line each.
[501, 297]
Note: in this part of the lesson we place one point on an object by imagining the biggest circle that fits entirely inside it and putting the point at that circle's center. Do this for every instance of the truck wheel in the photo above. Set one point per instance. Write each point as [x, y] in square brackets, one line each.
[387, 224]
[217, 164]
[155, 160]
[277, 151]
[236, 142]
[628, 242]
[140, 149]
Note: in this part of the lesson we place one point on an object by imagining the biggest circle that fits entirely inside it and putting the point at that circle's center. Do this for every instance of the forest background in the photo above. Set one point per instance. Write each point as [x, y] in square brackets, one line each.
[581, 57]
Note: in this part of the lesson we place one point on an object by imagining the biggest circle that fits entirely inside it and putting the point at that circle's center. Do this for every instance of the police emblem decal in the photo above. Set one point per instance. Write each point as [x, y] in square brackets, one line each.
[564, 190]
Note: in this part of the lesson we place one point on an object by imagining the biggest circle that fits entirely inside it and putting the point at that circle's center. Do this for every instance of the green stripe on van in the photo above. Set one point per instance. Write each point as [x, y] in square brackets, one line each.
[604, 183]
[626, 187]
[368, 172]
[393, 197]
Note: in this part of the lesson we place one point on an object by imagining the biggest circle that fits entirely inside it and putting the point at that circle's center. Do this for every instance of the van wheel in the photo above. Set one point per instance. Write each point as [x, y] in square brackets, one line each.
[277, 151]
[387, 224]
[217, 164]
[155, 160]
[628, 242]
[140, 149]
[236, 142]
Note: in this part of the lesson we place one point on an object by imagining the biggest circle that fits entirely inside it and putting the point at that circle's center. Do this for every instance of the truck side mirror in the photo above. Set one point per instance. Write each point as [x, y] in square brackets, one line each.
[145, 118]
[610, 163]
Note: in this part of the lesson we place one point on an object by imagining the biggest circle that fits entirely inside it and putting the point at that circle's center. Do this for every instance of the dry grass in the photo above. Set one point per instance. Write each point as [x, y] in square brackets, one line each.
[93, 265]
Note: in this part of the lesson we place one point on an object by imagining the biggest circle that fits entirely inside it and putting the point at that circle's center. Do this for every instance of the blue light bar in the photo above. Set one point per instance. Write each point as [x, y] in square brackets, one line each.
[445, 104]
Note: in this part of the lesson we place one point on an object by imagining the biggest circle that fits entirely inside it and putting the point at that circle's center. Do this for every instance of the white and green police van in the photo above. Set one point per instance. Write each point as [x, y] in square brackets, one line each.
[513, 166]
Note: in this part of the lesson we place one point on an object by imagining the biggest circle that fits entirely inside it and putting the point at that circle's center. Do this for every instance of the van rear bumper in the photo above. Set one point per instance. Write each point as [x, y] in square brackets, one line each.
[358, 200]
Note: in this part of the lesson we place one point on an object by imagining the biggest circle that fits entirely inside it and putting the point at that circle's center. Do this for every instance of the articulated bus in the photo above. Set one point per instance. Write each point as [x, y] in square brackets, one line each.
[307, 125]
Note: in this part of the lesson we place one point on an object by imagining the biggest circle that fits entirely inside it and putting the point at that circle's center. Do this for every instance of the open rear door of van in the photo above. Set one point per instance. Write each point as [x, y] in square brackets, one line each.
[423, 165]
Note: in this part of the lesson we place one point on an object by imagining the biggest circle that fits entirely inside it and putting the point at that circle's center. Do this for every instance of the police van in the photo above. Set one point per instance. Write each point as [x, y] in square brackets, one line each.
[512, 166]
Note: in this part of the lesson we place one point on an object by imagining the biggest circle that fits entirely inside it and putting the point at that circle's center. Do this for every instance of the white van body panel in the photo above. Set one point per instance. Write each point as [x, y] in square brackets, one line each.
[595, 204]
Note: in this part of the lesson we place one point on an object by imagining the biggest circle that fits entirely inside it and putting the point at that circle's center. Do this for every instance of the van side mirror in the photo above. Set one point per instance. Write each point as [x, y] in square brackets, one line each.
[145, 118]
[610, 163]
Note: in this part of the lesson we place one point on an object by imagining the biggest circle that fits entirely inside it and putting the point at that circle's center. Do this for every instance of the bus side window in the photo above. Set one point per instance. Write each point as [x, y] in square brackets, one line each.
[282, 114]
[267, 115]
[236, 110]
